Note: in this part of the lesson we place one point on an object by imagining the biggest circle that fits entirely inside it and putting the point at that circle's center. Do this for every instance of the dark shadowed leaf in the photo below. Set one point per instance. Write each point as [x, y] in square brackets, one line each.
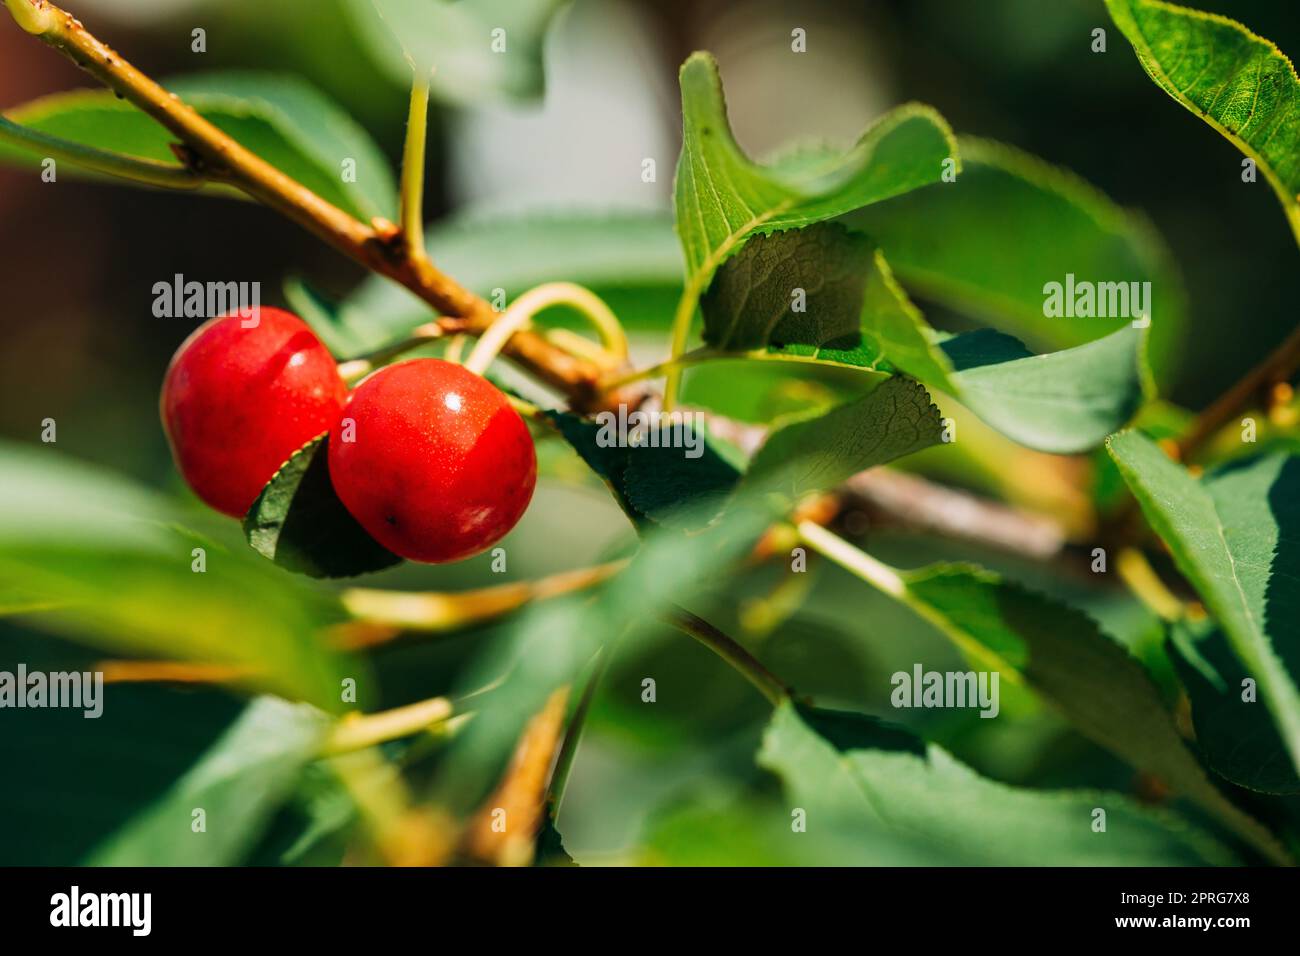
[300, 524]
[1234, 731]
[238, 783]
[681, 481]
[825, 295]
[1235, 534]
[1063, 655]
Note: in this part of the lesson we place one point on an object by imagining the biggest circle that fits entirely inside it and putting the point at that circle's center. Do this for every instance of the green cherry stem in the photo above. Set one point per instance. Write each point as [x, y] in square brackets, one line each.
[412, 187]
[851, 559]
[520, 313]
[358, 368]
[681, 331]
[573, 733]
[666, 367]
[768, 684]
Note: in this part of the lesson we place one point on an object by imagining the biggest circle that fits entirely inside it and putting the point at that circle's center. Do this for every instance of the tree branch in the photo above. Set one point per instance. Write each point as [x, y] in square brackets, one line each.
[213, 156]
[1279, 366]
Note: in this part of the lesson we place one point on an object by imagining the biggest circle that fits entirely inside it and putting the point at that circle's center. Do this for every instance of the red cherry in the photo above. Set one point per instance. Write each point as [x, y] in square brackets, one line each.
[238, 402]
[432, 460]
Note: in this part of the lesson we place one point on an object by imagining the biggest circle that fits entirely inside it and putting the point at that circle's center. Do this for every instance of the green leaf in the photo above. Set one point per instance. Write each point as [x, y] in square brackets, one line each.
[1236, 736]
[987, 244]
[151, 757]
[855, 314]
[702, 830]
[817, 453]
[112, 569]
[857, 775]
[1239, 83]
[630, 259]
[760, 388]
[314, 825]
[654, 485]
[550, 643]
[282, 119]
[1062, 402]
[721, 197]
[455, 41]
[1062, 654]
[1235, 535]
[300, 523]
[239, 783]
[750, 304]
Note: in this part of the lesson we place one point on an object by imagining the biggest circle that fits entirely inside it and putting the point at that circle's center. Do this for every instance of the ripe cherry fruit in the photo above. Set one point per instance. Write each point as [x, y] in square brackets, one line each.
[432, 460]
[238, 402]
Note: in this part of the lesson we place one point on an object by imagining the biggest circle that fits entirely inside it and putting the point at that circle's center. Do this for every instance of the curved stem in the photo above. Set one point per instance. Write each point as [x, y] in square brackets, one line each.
[578, 345]
[522, 310]
[854, 560]
[363, 365]
[573, 734]
[456, 349]
[1279, 366]
[146, 171]
[412, 195]
[681, 331]
[768, 684]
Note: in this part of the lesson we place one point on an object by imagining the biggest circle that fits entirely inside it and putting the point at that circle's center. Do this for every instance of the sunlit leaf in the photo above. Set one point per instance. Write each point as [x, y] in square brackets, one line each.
[282, 119]
[852, 773]
[1234, 535]
[1238, 82]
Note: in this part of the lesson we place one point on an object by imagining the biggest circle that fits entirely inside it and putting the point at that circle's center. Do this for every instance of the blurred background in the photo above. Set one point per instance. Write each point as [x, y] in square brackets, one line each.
[80, 343]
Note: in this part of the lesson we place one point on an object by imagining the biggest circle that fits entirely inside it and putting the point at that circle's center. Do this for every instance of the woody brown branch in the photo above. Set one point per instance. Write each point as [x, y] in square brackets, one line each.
[380, 246]
[1279, 366]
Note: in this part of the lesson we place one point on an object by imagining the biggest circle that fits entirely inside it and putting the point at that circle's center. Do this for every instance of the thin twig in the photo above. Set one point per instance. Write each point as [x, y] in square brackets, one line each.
[412, 188]
[768, 684]
[212, 155]
[434, 611]
[1279, 366]
[573, 733]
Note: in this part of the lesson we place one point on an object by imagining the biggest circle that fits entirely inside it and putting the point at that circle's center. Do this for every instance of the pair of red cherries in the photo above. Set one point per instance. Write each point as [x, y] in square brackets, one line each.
[430, 458]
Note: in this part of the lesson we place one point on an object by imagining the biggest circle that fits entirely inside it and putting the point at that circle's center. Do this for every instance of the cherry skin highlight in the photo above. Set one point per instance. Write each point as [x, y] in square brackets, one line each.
[238, 402]
[438, 467]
